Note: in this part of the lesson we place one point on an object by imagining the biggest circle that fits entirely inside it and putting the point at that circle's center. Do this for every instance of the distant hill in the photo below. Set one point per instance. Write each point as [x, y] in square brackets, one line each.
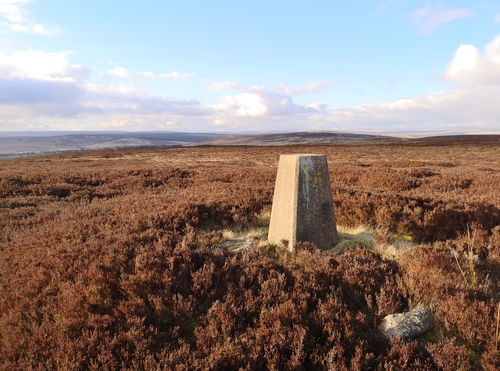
[26, 144]
[307, 137]
[43, 143]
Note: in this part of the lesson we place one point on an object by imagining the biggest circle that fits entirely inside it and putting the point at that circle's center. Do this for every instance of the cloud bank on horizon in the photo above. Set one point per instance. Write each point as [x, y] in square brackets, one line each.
[47, 90]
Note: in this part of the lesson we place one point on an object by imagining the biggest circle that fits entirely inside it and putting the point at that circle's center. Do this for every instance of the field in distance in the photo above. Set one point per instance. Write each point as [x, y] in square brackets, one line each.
[112, 259]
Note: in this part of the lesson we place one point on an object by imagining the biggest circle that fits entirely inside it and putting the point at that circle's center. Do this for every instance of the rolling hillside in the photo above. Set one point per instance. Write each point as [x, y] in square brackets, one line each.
[24, 145]
[306, 137]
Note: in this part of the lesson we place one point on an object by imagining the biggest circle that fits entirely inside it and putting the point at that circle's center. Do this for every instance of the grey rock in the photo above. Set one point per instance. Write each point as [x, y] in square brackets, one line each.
[237, 244]
[407, 325]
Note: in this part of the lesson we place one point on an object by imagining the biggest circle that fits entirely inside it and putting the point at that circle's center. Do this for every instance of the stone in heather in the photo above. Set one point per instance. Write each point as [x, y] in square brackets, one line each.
[237, 244]
[407, 325]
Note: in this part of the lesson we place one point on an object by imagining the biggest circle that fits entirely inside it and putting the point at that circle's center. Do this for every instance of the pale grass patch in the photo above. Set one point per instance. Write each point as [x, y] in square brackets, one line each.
[365, 236]
[349, 237]
[393, 251]
[255, 231]
[228, 234]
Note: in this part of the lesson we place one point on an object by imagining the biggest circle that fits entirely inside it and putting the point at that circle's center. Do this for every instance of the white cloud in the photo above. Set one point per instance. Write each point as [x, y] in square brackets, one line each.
[259, 102]
[46, 90]
[12, 11]
[308, 87]
[35, 83]
[497, 18]
[124, 73]
[113, 99]
[121, 72]
[245, 104]
[430, 17]
[114, 91]
[473, 105]
[471, 67]
[33, 64]
[33, 28]
[435, 111]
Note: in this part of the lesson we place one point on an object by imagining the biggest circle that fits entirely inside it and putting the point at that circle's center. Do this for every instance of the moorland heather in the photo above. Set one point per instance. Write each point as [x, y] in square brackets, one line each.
[109, 260]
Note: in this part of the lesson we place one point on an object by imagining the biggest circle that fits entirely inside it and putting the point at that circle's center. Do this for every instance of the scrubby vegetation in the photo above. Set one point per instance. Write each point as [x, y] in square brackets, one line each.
[111, 260]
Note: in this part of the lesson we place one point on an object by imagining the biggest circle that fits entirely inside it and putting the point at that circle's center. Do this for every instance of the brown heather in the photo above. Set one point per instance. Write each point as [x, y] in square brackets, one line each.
[107, 261]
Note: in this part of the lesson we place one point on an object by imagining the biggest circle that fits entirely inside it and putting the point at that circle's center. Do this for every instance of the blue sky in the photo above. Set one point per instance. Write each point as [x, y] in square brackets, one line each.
[381, 66]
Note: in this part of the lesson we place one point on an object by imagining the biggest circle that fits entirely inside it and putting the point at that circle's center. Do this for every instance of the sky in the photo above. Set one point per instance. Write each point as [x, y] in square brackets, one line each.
[250, 66]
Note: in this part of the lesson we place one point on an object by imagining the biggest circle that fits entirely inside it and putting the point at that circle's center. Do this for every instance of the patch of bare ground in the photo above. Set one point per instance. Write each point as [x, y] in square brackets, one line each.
[109, 260]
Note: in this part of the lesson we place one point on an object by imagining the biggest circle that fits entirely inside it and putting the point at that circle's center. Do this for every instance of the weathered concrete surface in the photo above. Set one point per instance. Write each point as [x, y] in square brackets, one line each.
[302, 208]
[407, 325]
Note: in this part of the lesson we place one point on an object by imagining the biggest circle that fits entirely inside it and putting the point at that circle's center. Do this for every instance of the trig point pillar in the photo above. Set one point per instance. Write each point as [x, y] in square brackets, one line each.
[302, 204]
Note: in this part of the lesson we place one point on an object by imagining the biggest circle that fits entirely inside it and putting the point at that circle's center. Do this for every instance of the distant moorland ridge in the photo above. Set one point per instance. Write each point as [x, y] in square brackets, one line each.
[27, 144]
[304, 137]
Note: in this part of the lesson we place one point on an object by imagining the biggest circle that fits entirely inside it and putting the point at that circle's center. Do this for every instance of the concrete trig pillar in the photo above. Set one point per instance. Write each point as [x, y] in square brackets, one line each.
[302, 204]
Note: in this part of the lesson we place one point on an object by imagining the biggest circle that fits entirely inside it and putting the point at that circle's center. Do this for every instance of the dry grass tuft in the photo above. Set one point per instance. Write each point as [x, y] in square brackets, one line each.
[350, 237]
[394, 249]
